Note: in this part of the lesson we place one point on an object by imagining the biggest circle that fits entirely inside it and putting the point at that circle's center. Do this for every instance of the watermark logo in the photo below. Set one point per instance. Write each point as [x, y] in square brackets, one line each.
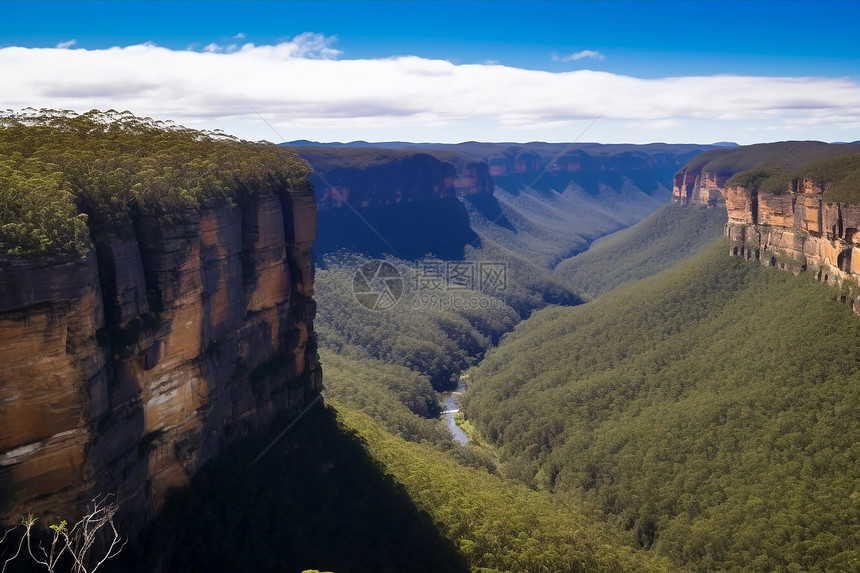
[459, 285]
[433, 276]
[377, 285]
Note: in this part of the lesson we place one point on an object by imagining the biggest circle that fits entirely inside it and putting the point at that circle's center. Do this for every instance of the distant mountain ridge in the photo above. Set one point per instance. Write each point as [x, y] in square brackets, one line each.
[529, 205]
[509, 190]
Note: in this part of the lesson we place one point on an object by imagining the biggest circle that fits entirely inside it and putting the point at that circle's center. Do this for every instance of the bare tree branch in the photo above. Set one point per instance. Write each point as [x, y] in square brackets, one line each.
[88, 543]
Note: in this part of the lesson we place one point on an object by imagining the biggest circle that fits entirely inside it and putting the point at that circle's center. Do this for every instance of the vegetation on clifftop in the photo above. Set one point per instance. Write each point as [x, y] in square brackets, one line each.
[790, 155]
[838, 176]
[772, 168]
[60, 171]
[769, 180]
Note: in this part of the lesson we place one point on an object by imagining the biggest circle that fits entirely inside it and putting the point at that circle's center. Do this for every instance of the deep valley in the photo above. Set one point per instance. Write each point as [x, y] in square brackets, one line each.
[246, 344]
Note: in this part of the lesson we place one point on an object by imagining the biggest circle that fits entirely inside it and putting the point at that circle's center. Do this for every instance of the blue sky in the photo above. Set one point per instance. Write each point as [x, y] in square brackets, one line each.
[448, 70]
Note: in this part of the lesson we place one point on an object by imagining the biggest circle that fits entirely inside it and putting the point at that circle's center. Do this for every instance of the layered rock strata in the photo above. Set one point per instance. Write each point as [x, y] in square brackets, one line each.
[795, 229]
[416, 178]
[125, 371]
[697, 188]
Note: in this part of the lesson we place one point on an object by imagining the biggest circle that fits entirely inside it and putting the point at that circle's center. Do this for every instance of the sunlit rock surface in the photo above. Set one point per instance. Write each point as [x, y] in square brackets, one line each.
[125, 371]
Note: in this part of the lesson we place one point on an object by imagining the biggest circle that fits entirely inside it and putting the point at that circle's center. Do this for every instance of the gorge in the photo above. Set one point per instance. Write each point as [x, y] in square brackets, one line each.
[691, 415]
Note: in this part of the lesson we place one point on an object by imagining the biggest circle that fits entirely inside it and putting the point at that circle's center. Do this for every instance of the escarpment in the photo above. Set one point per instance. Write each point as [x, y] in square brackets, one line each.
[692, 188]
[384, 201]
[127, 370]
[180, 330]
[798, 230]
[365, 179]
[787, 208]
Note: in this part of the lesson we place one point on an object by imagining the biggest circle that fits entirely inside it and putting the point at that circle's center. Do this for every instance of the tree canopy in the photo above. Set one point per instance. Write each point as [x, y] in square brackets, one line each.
[61, 173]
[709, 411]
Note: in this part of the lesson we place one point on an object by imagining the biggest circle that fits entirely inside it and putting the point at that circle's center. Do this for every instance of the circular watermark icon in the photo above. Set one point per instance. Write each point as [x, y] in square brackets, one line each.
[377, 285]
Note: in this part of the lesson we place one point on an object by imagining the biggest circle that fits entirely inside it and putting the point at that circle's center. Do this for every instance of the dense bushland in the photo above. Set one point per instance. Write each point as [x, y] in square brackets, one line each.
[60, 172]
[400, 399]
[789, 155]
[709, 411]
[343, 494]
[417, 333]
[768, 180]
[839, 176]
[496, 524]
[655, 244]
[529, 285]
[315, 500]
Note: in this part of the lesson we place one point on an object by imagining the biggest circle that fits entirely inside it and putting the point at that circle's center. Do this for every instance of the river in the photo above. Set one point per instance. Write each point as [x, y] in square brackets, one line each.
[451, 405]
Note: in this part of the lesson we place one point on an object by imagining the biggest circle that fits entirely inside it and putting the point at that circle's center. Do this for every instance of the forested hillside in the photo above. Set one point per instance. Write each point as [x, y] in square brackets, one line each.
[341, 493]
[417, 332]
[710, 411]
[496, 524]
[654, 244]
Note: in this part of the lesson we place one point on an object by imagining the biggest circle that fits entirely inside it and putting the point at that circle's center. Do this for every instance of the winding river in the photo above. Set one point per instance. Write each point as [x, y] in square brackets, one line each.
[451, 405]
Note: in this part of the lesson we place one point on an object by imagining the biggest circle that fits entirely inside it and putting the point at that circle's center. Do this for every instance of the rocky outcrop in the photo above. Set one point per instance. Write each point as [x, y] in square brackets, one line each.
[393, 202]
[798, 230]
[473, 178]
[697, 188]
[703, 179]
[127, 370]
[795, 229]
[365, 179]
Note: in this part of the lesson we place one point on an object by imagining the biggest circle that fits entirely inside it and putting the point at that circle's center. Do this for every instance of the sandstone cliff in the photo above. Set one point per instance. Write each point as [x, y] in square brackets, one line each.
[365, 179]
[128, 369]
[697, 188]
[798, 230]
[791, 223]
[404, 203]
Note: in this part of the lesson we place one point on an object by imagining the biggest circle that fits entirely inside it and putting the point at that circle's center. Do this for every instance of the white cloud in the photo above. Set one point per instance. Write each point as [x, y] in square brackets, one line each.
[583, 54]
[317, 46]
[303, 89]
[577, 56]
[239, 36]
[67, 44]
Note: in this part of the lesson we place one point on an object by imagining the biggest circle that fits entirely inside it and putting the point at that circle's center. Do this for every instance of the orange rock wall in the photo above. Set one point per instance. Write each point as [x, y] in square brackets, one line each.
[125, 371]
[695, 188]
[796, 230]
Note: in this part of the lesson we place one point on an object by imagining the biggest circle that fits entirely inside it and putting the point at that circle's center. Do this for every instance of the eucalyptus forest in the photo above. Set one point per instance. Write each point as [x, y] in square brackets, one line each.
[639, 402]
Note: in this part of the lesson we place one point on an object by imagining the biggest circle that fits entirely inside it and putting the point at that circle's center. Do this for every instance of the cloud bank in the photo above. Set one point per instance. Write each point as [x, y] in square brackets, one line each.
[301, 87]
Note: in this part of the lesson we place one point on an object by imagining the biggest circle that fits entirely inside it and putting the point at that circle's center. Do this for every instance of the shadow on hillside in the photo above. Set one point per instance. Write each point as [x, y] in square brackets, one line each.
[488, 206]
[314, 501]
[646, 180]
[408, 231]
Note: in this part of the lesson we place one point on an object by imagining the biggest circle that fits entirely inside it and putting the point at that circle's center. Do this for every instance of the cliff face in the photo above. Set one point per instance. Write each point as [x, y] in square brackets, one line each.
[124, 372]
[560, 167]
[403, 203]
[400, 179]
[697, 188]
[795, 229]
[798, 230]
